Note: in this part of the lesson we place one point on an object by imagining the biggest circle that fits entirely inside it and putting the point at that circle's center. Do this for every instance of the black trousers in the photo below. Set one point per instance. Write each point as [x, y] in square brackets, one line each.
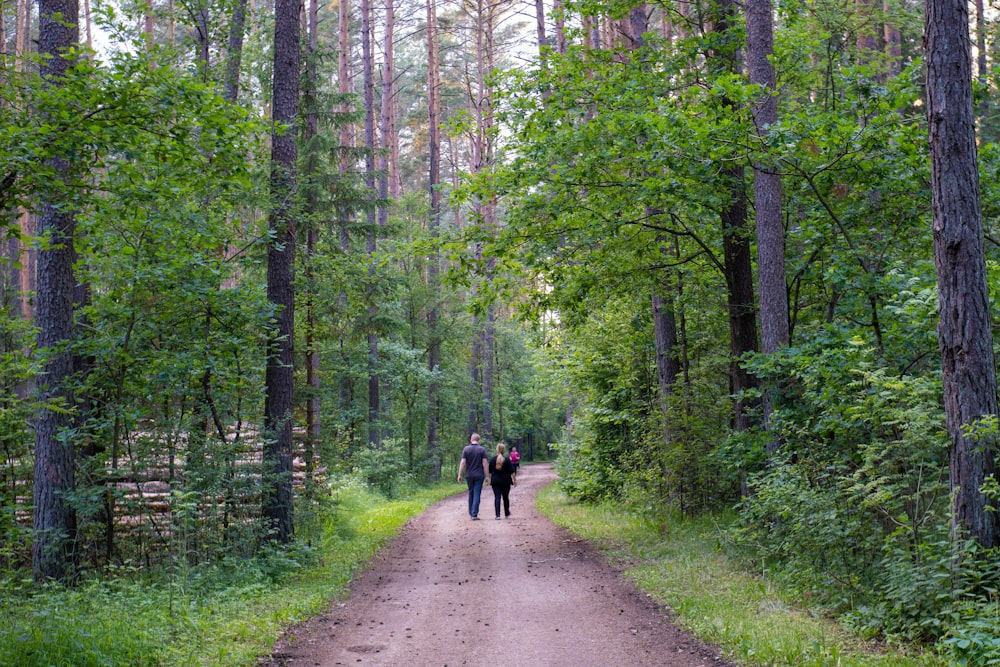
[501, 491]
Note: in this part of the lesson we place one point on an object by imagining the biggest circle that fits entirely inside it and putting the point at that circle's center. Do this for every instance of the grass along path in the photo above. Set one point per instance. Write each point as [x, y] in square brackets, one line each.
[227, 616]
[678, 564]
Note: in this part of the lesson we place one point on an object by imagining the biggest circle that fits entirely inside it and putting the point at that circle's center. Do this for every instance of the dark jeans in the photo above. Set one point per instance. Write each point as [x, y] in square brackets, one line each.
[475, 490]
[501, 491]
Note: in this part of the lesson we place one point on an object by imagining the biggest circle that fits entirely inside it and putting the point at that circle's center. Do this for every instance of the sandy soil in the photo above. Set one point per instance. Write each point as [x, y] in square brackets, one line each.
[519, 591]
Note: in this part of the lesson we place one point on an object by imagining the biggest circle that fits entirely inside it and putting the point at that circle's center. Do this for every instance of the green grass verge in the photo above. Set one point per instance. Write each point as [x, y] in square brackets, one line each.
[678, 562]
[227, 616]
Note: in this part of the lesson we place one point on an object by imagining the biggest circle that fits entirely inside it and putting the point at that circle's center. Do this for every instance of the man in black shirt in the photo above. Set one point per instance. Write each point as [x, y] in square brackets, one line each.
[473, 465]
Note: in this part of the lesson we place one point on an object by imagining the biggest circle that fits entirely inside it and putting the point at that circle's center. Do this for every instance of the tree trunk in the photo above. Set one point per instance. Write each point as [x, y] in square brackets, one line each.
[22, 28]
[434, 226]
[279, 375]
[767, 183]
[481, 103]
[202, 21]
[475, 367]
[966, 341]
[866, 42]
[771, 277]
[88, 24]
[346, 131]
[893, 43]
[560, 13]
[26, 269]
[739, 292]
[234, 56]
[54, 519]
[982, 72]
[387, 118]
[367, 65]
[489, 369]
[540, 31]
[147, 25]
[3, 42]
[311, 101]
[667, 362]
[736, 243]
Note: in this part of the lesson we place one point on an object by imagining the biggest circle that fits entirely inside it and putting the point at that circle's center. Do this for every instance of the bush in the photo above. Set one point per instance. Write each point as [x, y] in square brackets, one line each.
[385, 469]
[976, 642]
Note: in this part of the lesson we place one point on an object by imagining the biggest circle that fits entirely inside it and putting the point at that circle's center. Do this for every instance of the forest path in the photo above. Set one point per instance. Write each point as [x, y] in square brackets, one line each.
[520, 591]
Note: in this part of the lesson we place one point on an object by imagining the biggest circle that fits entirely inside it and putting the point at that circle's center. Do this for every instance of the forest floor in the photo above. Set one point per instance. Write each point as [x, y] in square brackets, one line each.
[520, 591]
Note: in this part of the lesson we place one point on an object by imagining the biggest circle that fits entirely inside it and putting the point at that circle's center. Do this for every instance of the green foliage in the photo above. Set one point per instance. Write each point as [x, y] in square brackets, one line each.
[677, 560]
[859, 480]
[16, 373]
[974, 642]
[226, 614]
[384, 469]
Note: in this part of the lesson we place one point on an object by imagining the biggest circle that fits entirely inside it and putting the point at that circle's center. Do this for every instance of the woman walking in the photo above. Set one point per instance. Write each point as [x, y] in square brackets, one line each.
[502, 477]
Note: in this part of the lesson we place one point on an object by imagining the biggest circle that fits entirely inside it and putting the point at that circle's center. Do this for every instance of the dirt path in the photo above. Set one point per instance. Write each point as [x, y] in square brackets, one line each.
[519, 591]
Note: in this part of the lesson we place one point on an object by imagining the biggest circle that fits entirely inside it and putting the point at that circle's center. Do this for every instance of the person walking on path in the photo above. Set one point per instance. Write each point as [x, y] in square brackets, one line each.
[473, 466]
[502, 477]
[515, 457]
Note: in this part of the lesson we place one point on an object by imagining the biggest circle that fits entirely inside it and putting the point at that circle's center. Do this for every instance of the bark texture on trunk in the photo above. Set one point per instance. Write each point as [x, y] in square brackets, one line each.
[54, 518]
[966, 341]
[559, 10]
[737, 263]
[767, 183]
[368, 76]
[739, 295]
[434, 226]
[982, 73]
[279, 374]
[234, 56]
[311, 100]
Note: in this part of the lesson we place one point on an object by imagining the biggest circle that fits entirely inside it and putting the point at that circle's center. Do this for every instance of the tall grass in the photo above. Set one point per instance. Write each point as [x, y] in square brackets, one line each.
[678, 561]
[227, 615]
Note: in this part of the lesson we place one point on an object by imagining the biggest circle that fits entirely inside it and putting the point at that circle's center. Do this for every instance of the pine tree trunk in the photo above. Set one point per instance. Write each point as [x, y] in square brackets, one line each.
[767, 192]
[88, 23]
[279, 375]
[667, 362]
[893, 44]
[739, 292]
[866, 41]
[234, 56]
[54, 519]
[489, 370]
[27, 255]
[147, 26]
[767, 183]
[434, 225]
[204, 40]
[344, 385]
[22, 28]
[559, 10]
[346, 130]
[965, 338]
[312, 239]
[367, 65]
[540, 32]
[982, 73]
[3, 42]
[736, 243]
[387, 119]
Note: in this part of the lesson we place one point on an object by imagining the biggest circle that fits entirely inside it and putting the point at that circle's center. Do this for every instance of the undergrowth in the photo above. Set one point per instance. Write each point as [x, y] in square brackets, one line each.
[679, 562]
[226, 615]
